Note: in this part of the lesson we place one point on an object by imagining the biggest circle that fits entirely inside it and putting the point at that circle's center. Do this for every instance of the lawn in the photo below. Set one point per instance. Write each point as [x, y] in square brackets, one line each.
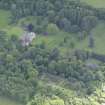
[95, 3]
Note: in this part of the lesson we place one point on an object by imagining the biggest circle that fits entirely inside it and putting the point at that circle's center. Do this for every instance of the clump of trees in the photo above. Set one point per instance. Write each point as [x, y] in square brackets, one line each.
[19, 69]
[43, 100]
[18, 79]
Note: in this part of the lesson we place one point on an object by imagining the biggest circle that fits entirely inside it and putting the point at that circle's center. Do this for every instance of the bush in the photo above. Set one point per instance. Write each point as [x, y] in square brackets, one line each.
[52, 29]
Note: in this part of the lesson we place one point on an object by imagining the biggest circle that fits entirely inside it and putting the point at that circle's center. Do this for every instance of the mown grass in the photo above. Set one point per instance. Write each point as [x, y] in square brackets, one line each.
[95, 3]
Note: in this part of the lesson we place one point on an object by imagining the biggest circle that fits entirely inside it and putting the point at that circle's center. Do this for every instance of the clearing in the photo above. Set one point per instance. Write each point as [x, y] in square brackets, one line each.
[95, 3]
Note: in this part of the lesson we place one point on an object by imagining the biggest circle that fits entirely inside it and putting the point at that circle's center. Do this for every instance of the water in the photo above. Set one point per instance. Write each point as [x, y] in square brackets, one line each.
[7, 101]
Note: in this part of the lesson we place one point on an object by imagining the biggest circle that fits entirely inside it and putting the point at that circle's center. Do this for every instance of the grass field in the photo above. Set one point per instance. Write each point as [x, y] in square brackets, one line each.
[95, 3]
[99, 39]
[4, 18]
[54, 41]
[5, 26]
[5, 101]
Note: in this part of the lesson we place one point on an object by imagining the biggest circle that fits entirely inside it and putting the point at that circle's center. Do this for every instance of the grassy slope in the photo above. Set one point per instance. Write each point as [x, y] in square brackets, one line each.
[55, 40]
[4, 24]
[59, 83]
[5, 101]
[4, 18]
[99, 36]
[51, 41]
[95, 3]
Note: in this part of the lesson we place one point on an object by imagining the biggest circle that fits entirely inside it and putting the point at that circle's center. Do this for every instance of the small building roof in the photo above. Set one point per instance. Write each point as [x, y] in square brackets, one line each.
[27, 38]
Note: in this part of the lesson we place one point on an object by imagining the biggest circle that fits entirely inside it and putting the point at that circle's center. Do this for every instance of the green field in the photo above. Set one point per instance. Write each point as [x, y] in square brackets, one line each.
[99, 38]
[4, 18]
[5, 26]
[5, 101]
[95, 3]
[54, 41]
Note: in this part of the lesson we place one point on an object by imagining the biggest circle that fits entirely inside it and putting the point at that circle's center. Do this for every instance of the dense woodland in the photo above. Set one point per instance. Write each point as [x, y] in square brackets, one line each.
[21, 68]
[69, 15]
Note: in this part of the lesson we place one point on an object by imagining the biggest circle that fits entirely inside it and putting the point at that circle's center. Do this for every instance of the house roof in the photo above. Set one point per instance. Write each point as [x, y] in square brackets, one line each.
[27, 38]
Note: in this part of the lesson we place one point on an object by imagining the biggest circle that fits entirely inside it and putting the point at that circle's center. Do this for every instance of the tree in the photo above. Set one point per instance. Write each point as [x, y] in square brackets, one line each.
[30, 27]
[88, 22]
[72, 44]
[91, 42]
[52, 29]
[75, 28]
[65, 24]
[51, 15]
[41, 7]
[54, 54]
[43, 100]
